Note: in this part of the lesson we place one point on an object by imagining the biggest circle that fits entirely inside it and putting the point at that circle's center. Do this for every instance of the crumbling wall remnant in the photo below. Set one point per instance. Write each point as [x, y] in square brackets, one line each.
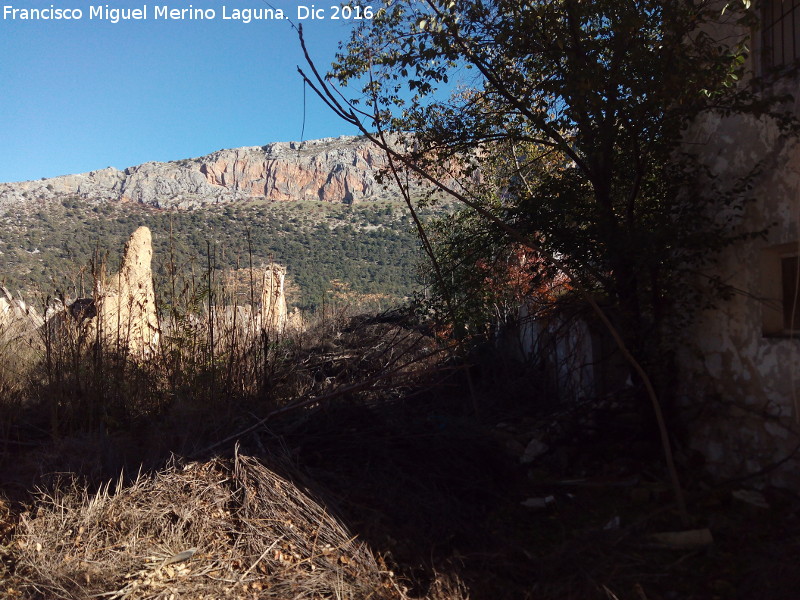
[122, 313]
[126, 301]
[274, 313]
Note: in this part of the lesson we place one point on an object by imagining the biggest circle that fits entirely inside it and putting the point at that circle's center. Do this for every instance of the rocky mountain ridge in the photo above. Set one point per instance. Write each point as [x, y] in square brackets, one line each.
[339, 169]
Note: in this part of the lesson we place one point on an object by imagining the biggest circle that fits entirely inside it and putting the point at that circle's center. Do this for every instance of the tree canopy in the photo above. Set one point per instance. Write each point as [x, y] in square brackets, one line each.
[565, 136]
[564, 132]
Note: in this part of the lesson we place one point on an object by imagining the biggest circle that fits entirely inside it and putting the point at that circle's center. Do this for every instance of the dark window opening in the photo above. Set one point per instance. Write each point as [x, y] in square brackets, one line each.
[779, 290]
[791, 293]
[780, 33]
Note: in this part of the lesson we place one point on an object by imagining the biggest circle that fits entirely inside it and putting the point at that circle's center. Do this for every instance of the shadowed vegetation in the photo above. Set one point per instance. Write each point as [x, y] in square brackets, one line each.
[371, 246]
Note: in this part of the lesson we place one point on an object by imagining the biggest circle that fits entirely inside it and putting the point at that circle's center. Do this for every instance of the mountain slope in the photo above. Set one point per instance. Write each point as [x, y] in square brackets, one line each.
[314, 207]
[329, 170]
[371, 246]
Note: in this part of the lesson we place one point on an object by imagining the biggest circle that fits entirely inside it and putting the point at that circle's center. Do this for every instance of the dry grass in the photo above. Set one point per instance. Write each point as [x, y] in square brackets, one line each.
[406, 477]
[251, 534]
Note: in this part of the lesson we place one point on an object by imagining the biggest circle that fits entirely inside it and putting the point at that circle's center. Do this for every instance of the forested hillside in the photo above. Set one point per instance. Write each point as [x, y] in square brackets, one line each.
[371, 246]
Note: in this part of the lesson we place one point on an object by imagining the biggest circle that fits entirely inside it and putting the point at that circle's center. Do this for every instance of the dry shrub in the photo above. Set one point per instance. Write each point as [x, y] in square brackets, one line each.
[251, 534]
[18, 351]
[6, 533]
[368, 349]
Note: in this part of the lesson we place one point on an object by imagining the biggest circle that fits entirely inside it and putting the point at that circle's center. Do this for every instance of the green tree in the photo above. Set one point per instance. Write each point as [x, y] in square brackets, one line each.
[575, 118]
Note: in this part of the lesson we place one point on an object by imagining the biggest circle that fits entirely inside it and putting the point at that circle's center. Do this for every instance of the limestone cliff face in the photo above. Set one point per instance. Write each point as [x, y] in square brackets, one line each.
[340, 170]
[331, 170]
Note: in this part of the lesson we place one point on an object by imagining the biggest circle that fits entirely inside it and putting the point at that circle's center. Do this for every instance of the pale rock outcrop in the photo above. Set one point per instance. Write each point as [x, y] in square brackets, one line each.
[274, 313]
[295, 321]
[104, 184]
[125, 302]
[16, 316]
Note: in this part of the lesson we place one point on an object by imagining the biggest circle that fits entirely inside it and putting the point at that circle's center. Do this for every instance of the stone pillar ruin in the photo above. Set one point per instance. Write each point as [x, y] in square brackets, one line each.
[273, 300]
[126, 306]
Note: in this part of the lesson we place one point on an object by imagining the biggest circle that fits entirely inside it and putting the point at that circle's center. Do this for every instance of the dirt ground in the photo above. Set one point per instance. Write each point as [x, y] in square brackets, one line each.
[438, 490]
[419, 498]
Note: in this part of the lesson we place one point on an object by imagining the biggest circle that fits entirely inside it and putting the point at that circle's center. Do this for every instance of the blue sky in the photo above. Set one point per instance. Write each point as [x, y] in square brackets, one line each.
[83, 95]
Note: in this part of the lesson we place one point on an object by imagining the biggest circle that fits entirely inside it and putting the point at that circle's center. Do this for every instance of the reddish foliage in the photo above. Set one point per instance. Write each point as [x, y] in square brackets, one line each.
[521, 277]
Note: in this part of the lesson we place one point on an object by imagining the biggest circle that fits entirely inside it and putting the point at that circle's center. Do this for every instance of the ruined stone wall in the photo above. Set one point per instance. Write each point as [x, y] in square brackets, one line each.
[740, 371]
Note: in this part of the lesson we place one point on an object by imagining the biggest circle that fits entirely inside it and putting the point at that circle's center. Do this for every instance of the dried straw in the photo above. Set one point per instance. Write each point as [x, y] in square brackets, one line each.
[218, 529]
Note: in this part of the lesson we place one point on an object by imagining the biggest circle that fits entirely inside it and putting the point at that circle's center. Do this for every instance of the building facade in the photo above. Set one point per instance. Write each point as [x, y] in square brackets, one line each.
[740, 361]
